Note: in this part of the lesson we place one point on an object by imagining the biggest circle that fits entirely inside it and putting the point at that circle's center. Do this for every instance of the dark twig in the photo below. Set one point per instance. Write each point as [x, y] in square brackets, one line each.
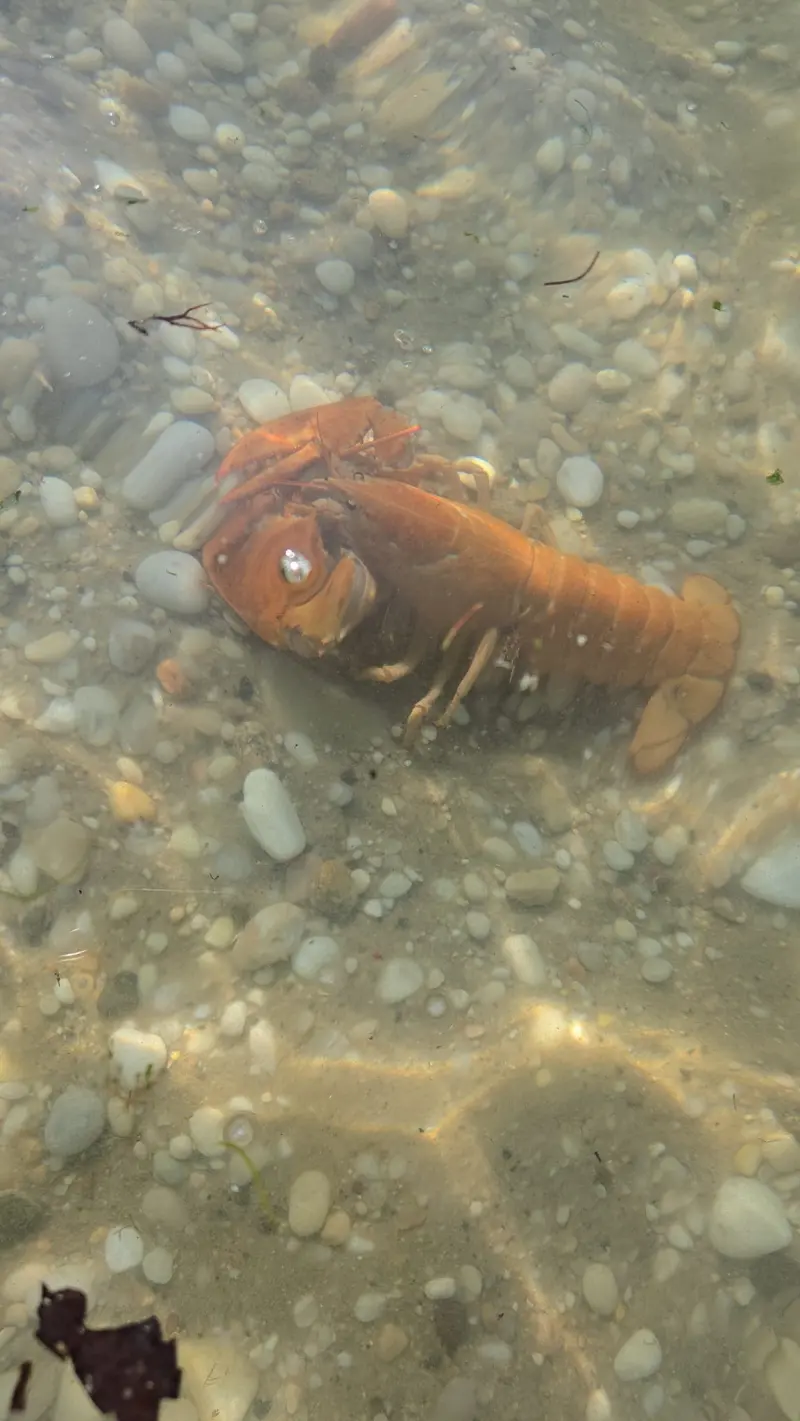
[186, 319]
[568, 280]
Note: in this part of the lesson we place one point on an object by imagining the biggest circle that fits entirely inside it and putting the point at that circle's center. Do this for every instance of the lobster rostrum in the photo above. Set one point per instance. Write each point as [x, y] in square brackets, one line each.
[307, 564]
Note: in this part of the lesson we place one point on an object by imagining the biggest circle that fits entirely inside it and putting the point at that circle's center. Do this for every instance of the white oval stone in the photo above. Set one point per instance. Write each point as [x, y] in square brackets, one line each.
[263, 400]
[301, 748]
[137, 1057]
[262, 1042]
[234, 1019]
[628, 299]
[775, 876]
[656, 970]
[747, 1220]
[179, 453]
[23, 873]
[369, 1306]
[124, 1249]
[600, 1289]
[389, 212]
[219, 1379]
[639, 1357]
[271, 816]
[782, 1371]
[438, 1288]
[188, 399]
[214, 51]
[158, 1266]
[570, 387]
[636, 360]
[525, 960]
[316, 957]
[206, 1128]
[124, 44]
[229, 137]
[618, 858]
[550, 157]
[461, 419]
[58, 502]
[53, 646]
[309, 1203]
[261, 179]
[336, 276]
[400, 978]
[580, 481]
[173, 581]
[598, 1406]
[305, 393]
[189, 123]
[520, 265]
[170, 67]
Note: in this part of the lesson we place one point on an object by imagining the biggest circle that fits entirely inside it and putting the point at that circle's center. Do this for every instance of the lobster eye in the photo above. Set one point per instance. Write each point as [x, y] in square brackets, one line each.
[294, 566]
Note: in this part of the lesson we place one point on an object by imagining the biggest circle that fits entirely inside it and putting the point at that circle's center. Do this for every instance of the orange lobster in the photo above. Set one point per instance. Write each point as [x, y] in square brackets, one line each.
[308, 565]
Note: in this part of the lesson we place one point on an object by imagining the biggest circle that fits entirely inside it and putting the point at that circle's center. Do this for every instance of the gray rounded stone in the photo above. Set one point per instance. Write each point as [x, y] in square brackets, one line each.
[80, 342]
[76, 1120]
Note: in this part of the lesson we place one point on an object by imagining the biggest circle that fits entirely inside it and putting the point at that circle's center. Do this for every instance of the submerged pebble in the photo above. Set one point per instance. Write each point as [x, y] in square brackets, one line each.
[747, 1220]
[58, 502]
[124, 1249]
[131, 645]
[774, 877]
[271, 816]
[179, 452]
[76, 1120]
[639, 1357]
[263, 400]
[80, 343]
[580, 481]
[173, 581]
[189, 123]
[309, 1203]
[336, 276]
[400, 979]
[525, 960]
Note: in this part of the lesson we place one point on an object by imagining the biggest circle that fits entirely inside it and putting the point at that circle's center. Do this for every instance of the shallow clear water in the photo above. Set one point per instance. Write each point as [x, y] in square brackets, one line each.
[520, 1013]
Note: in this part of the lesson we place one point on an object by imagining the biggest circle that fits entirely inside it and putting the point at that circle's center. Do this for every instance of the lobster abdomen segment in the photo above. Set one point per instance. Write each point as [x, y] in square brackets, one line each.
[583, 620]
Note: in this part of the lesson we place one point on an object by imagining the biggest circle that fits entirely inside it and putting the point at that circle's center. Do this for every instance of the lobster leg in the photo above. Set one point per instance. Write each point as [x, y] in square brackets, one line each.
[423, 707]
[479, 662]
[451, 648]
[448, 472]
[395, 671]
